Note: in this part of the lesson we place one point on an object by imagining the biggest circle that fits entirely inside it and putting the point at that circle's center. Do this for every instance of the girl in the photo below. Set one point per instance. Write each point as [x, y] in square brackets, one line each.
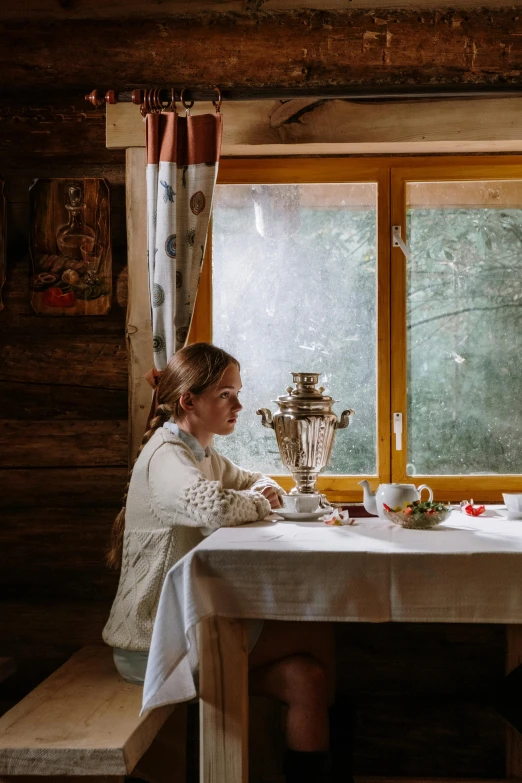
[180, 490]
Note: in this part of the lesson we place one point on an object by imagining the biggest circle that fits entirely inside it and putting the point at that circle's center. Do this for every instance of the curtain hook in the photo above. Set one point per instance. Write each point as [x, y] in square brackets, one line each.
[187, 106]
[217, 104]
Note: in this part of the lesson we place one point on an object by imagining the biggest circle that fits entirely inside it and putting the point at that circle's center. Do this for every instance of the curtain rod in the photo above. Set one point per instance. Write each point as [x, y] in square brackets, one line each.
[347, 93]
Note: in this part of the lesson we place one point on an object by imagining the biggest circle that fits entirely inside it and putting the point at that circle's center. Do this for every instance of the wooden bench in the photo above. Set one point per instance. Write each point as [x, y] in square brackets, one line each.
[83, 721]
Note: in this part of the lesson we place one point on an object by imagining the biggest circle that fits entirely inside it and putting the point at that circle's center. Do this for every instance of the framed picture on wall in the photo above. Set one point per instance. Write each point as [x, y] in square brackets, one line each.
[70, 246]
[3, 241]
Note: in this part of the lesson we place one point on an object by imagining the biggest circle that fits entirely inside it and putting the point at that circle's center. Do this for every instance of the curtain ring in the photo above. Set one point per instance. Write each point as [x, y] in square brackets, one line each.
[162, 105]
[217, 104]
[156, 100]
[145, 106]
[172, 106]
[186, 106]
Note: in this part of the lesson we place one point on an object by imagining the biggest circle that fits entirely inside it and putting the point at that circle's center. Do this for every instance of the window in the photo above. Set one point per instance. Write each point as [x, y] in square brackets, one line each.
[300, 276]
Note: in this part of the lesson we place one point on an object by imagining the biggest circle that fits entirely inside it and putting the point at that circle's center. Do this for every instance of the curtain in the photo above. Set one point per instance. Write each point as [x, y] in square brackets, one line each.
[182, 164]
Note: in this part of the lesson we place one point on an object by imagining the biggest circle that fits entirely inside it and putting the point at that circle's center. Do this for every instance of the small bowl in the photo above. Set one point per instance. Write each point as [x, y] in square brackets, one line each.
[418, 521]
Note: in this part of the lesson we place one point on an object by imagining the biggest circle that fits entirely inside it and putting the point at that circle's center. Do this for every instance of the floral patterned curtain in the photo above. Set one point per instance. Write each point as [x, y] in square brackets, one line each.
[182, 164]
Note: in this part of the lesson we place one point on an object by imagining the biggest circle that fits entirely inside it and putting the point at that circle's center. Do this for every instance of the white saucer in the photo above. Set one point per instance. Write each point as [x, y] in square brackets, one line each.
[513, 516]
[302, 515]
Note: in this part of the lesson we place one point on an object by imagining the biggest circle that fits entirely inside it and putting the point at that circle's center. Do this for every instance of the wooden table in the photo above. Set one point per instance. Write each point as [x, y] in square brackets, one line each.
[466, 571]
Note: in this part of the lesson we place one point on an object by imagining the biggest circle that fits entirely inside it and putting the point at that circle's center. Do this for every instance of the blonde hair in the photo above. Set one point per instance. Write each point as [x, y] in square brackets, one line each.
[194, 369]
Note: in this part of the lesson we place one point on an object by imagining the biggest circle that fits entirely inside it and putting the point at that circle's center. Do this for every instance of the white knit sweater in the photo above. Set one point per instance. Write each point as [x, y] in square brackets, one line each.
[173, 501]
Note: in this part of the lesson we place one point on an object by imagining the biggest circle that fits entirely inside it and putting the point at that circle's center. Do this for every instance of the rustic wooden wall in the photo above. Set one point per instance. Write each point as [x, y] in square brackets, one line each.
[63, 406]
[423, 692]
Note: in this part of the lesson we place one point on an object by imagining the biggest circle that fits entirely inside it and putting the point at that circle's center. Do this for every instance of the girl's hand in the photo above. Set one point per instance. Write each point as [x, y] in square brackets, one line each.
[272, 496]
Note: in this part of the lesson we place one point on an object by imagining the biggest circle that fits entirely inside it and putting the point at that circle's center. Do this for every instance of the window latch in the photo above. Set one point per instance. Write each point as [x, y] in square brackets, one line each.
[397, 241]
[397, 429]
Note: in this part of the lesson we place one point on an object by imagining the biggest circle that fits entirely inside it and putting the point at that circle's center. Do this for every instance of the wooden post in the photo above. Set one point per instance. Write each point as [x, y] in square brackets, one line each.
[223, 672]
[139, 327]
[513, 738]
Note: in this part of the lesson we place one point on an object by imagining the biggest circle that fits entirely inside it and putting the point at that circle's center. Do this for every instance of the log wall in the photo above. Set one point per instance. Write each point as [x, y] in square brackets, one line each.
[423, 692]
[63, 408]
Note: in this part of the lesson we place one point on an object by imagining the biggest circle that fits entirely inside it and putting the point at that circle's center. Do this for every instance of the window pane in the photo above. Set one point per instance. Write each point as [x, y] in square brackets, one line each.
[464, 327]
[294, 289]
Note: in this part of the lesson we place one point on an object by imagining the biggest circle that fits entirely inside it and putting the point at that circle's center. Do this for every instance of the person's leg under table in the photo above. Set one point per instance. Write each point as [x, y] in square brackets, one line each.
[223, 686]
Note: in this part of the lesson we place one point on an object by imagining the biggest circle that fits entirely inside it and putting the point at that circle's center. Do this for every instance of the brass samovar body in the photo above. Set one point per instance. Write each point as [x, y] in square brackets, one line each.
[305, 429]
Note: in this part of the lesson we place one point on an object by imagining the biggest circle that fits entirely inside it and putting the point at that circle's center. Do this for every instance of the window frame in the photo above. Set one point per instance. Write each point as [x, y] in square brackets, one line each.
[445, 487]
[391, 175]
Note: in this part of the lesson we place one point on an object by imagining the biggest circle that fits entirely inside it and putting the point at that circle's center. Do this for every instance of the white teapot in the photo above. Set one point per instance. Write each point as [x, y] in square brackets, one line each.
[392, 495]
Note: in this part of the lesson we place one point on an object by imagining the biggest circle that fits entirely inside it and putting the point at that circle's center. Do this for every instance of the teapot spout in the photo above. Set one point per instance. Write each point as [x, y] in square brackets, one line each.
[266, 417]
[369, 501]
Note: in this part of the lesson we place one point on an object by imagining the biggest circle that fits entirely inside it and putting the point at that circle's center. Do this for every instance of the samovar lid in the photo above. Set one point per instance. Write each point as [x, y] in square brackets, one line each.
[304, 389]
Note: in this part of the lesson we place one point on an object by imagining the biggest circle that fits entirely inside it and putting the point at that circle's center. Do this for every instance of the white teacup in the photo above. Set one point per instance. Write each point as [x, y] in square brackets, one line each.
[301, 503]
[513, 501]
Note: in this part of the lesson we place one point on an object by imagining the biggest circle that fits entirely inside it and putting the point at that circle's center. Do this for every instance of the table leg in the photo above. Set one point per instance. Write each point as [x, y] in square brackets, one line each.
[514, 738]
[223, 673]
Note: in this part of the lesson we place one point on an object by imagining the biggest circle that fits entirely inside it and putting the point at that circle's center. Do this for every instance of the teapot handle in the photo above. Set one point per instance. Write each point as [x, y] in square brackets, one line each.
[425, 486]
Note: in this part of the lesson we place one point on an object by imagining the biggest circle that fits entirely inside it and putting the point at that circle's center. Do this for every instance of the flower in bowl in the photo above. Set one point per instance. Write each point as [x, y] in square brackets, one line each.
[419, 515]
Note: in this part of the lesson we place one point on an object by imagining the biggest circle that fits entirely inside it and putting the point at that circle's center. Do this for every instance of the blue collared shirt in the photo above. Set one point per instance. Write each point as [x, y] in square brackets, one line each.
[193, 443]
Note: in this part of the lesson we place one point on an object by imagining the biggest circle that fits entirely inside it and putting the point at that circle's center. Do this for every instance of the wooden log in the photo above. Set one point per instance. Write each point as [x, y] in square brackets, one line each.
[57, 549]
[139, 326]
[223, 701]
[314, 126]
[39, 634]
[71, 444]
[96, 362]
[44, 401]
[40, 488]
[54, 130]
[308, 49]
[83, 9]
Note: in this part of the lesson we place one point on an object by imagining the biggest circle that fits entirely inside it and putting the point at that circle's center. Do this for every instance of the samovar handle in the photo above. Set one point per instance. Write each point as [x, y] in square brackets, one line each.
[344, 420]
[266, 420]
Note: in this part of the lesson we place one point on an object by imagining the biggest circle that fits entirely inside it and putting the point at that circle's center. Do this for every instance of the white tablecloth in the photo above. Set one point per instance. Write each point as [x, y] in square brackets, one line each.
[468, 570]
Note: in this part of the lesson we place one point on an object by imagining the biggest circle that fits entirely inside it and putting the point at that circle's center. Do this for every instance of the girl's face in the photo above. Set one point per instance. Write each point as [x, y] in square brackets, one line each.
[216, 410]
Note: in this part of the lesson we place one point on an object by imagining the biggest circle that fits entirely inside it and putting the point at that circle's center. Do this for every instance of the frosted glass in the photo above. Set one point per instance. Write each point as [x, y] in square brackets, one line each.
[294, 290]
[464, 289]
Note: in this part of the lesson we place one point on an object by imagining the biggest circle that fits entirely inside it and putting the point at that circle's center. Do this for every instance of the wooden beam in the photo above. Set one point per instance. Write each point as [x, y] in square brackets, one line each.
[139, 327]
[338, 127]
[223, 701]
[84, 9]
[297, 49]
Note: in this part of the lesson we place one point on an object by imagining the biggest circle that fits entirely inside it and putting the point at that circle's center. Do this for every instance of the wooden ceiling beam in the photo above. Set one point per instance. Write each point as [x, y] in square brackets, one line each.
[128, 9]
[288, 49]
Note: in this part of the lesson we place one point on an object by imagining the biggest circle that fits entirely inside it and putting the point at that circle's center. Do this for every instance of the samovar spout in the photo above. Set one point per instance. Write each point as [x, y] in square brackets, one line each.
[266, 419]
[345, 419]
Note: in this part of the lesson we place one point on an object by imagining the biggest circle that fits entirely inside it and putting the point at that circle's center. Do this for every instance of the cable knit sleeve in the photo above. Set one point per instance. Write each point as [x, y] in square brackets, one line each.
[181, 494]
[238, 478]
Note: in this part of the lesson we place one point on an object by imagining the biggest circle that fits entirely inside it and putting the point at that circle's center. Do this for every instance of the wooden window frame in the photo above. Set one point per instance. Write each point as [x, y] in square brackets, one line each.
[391, 175]
[487, 488]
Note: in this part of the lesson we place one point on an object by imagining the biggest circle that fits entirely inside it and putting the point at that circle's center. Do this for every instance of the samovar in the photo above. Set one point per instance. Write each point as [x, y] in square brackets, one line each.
[305, 429]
